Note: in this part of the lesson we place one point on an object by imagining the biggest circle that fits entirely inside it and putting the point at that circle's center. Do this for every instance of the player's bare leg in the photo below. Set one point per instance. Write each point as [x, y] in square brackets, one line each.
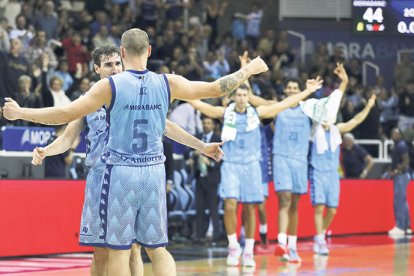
[118, 262]
[162, 262]
[135, 261]
[99, 261]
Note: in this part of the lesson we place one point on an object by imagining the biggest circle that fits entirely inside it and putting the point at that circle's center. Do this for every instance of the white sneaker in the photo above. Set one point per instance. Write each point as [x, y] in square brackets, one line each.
[396, 232]
[248, 260]
[321, 248]
[234, 255]
[408, 231]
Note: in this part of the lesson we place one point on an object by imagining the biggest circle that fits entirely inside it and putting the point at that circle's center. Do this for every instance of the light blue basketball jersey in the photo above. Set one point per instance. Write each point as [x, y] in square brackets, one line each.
[292, 131]
[327, 161]
[247, 145]
[95, 137]
[136, 118]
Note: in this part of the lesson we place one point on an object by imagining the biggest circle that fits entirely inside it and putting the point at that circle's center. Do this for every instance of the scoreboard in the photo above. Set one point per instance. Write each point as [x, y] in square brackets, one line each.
[383, 17]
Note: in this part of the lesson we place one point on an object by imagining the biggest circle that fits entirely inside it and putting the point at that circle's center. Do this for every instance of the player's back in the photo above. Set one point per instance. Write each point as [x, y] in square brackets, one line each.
[292, 131]
[136, 118]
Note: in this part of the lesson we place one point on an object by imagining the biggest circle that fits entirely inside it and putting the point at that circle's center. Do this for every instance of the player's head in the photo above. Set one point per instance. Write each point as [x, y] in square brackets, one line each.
[135, 43]
[107, 60]
[396, 134]
[208, 124]
[241, 96]
[292, 86]
[348, 140]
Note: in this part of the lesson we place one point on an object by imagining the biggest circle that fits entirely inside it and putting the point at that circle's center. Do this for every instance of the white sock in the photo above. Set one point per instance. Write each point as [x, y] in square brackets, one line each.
[233, 240]
[282, 238]
[263, 228]
[248, 248]
[292, 241]
[320, 238]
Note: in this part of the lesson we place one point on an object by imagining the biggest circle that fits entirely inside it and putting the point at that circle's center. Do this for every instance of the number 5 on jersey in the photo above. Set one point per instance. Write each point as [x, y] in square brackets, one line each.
[140, 143]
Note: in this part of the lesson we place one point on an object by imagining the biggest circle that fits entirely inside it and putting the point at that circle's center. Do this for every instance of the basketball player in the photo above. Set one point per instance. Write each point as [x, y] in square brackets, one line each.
[133, 204]
[107, 62]
[290, 166]
[324, 175]
[241, 179]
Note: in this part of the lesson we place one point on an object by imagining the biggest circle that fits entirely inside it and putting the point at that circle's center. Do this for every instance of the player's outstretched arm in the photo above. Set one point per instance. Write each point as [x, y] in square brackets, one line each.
[61, 144]
[341, 73]
[359, 118]
[178, 134]
[270, 111]
[183, 89]
[215, 112]
[98, 95]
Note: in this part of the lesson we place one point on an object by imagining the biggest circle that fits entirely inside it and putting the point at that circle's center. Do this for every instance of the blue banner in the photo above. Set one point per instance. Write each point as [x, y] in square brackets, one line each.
[27, 138]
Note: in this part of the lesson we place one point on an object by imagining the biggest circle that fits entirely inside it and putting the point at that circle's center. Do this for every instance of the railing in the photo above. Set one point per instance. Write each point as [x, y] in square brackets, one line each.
[365, 66]
[383, 146]
[302, 45]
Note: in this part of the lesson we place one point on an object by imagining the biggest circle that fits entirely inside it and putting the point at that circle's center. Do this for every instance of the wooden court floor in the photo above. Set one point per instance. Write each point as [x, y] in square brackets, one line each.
[354, 255]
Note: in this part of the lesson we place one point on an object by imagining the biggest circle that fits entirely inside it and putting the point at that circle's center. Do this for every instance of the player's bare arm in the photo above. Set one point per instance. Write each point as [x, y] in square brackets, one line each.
[215, 112]
[98, 95]
[270, 111]
[359, 118]
[178, 134]
[61, 144]
[183, 89]
[341, 73]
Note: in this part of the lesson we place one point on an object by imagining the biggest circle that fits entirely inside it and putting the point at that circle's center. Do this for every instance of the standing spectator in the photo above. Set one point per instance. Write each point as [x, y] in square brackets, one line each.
[149, 15]
[102, 37]
[400, 173]
[26, 98]
[357, 162]
[207, 175]
[39, 47]
[22, 31]
[12, 66]
[55, 166]
[388, 104]
[406, 104]
[254, 19]
[4, 36]
[47, 20]
[404, 70]
[75, 52]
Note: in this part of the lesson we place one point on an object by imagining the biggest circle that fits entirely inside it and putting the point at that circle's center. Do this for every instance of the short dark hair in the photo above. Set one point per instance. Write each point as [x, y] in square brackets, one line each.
[104, 50]
[294, 80]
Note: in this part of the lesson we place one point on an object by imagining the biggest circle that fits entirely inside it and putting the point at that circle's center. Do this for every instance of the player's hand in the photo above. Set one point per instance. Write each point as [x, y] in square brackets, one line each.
[340, 72]
[11, 109]
[244, 59]
[371, 101]
[257, 66]
[314, 84]
[38, 155]
[213, 150]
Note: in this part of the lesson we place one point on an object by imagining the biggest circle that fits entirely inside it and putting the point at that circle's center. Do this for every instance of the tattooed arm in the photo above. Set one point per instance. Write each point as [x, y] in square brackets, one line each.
[183, 89]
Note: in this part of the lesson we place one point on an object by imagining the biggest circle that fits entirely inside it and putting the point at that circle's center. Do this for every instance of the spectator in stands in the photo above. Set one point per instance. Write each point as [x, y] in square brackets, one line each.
[63, 74]
[39, 47]
[52, 95]
[265, 45]
[216, 66]
[23, 31]
[388, 104]
[12, 66]
[56, 166]
[148, 15]
[4, 35]
[101, 19]
[406, 105]
[102, 37]
[254, 20]
[47, 20]
[207, 175]
[356, 161]
[174, 8]
[11, 11]
[75, 52]
[400, 161]
[404, 71]
[79, 87]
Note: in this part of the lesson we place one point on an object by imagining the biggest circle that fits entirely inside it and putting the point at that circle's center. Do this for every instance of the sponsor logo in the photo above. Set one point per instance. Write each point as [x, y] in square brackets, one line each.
[35, 137]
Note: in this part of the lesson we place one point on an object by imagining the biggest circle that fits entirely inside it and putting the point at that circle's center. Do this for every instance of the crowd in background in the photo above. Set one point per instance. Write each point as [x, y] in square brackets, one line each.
[45, 56]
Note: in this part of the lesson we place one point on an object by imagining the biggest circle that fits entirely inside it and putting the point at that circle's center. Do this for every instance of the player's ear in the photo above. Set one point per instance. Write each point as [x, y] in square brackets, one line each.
[122, 52]
[96, 68]
[149, 50]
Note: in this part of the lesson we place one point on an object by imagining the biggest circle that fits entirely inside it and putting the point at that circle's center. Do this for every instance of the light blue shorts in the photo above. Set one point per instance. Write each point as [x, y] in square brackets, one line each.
[290, 175]
[90, 221]
[133, 206]
[324, 186]
[265, 187]
[242, 182]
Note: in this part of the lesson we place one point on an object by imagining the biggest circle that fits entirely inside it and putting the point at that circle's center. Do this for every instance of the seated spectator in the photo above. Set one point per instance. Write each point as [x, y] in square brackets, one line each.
[39, 47]
[63, 74]
[22, 31]
[356, 161]
[26, 98]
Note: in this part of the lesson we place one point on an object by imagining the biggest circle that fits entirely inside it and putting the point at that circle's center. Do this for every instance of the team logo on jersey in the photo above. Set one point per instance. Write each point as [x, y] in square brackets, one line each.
[143, 91]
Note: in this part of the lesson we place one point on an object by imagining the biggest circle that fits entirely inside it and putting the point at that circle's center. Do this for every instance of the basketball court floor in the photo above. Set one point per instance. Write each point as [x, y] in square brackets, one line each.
[351, 255]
